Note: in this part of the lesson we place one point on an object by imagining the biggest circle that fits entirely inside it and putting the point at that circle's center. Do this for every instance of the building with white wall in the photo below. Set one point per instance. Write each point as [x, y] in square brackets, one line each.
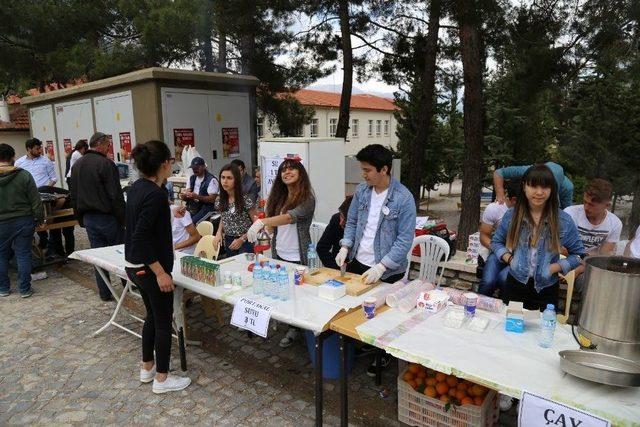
[371, 119]
[14, 131]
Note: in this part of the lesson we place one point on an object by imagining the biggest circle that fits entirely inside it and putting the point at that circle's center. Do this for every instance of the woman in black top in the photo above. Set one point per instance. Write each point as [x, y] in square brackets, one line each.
[329, 244]
[149, 256]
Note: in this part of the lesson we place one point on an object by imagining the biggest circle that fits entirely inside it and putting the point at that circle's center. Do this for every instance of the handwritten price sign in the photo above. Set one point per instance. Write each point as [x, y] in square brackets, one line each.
[252, 316]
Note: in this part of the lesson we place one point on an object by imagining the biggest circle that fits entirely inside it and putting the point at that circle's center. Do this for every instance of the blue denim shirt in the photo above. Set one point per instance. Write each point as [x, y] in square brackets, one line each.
[565, 186]
[519, 267]
[396, 226]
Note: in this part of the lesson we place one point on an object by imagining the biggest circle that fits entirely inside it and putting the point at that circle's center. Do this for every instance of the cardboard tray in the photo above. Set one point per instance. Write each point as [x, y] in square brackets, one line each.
[354, 283]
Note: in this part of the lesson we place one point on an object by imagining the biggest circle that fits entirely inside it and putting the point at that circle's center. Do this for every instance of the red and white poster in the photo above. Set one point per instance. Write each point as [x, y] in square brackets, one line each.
[182, 137]
[50, 151]
[110, 152]
[230, 142]
[125, 146]
[67, 145]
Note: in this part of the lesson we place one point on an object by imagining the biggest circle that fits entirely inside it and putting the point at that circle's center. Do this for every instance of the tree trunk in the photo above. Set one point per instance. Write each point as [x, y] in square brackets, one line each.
[222, 52]
[634, 219]
[207, 31]
[425, 118]
[471, 54]
[450, 184]
[347, 68]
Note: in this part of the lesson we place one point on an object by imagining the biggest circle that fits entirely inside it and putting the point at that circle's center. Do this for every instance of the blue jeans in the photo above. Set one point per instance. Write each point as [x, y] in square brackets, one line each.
[204, 210]
[245, 248]
[103, 230]
[494, 276]
[16, 234]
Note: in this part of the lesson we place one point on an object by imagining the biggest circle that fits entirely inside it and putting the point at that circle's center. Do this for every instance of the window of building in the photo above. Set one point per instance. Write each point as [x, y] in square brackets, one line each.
[386, 128]
[378, 127]
[313, 128]
[333, 125]
[355, 124]
[370, 130]
[260, 127]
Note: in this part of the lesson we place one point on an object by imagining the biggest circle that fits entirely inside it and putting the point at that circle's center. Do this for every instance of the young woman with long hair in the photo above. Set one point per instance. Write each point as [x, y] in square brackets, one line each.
[289, 210]
[530, 238]
[236, 211]
[148, 252]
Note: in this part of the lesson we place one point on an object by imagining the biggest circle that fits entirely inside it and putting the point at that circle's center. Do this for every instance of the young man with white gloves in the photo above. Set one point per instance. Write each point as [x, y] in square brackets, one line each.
[381, 221]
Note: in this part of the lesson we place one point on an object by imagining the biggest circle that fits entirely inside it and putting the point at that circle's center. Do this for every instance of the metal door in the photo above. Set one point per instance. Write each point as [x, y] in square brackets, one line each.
[43, 128]
[114, 116]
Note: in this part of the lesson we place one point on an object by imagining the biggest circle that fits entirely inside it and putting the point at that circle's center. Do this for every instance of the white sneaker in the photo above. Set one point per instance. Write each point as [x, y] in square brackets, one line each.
[289, 338]
[41, 275]
[505, 402]
[147, 376]
[172, 383]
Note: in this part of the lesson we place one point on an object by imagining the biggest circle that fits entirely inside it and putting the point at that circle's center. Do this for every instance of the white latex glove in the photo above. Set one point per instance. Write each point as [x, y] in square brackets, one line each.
[373, 274]
[342, 256]
[252, 234]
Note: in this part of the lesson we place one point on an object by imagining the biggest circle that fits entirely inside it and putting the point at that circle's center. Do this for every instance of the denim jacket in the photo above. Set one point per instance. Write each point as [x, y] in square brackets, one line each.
[396, 226]
[519, 267]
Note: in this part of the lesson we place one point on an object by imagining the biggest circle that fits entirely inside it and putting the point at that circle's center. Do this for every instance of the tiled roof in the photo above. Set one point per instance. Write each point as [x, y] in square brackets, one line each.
[19, 120]
[329, 99]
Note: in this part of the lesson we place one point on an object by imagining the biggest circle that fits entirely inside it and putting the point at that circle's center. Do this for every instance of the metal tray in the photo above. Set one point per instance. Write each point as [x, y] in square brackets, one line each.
[601, 368]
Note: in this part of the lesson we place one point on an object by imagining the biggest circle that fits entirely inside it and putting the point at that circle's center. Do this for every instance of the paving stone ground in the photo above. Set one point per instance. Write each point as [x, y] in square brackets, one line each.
[53, 372]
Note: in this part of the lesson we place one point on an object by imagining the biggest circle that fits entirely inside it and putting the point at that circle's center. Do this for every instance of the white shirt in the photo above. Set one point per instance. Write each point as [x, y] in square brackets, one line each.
[593, 236]
[493, 214]
[287, 245]
[366, 254]
[634, 247]
[74, 158]
[179, 231]
[211, 189]
[40, 168]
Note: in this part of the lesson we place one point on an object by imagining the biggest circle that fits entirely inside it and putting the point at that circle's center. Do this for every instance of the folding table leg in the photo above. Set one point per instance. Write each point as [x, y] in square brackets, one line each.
[344, 384]
[319, 381]
[379, 354]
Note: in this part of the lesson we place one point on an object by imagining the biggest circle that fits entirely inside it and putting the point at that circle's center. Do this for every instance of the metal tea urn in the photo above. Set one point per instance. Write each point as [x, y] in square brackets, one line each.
[608, 324]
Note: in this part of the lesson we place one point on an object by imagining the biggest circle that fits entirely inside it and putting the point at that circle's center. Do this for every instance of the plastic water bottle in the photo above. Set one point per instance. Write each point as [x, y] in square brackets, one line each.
[548, 326]
[312, 259]
[273, 282]
[258, 283]
[283, 283]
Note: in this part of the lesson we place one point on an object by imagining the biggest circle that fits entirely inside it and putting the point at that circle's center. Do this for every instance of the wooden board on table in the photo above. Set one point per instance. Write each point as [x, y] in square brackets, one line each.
[354, 283]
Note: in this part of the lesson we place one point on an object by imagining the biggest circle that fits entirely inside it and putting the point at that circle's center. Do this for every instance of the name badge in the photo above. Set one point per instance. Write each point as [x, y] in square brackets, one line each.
[385, 210]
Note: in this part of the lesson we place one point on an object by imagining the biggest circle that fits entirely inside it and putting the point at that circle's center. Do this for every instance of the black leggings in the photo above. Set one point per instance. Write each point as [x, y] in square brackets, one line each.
[527, 294]
[356, 267]
[156, 332]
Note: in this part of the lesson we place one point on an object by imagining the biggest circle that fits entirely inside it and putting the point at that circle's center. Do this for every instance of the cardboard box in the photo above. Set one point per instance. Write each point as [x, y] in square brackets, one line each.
[432, 301]
[515, 317]
[332, 290]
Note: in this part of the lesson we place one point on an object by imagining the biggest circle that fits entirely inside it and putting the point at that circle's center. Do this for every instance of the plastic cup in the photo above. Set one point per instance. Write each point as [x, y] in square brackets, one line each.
[470, 303]
[369, 307]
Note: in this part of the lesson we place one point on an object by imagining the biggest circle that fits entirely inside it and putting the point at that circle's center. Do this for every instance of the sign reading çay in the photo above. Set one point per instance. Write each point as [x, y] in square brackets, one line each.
[538, 411]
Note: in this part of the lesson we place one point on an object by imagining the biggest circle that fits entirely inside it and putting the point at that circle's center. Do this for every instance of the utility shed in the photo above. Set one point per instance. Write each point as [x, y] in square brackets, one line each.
[214, 112]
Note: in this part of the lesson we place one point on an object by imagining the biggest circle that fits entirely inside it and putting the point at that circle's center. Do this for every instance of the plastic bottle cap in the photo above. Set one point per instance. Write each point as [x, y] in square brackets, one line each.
[550, 307]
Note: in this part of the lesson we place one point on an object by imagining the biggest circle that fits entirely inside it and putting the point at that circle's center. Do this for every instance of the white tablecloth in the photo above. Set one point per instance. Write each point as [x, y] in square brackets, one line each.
[304, 309]
[504, 361]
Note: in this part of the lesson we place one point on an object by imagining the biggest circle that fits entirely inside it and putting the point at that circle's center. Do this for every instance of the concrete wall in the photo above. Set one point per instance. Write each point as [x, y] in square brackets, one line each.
[354, 142]
[16, 139]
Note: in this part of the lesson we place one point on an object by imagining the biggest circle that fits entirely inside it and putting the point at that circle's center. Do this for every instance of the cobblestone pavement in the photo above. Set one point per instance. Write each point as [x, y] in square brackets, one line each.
[53, 372]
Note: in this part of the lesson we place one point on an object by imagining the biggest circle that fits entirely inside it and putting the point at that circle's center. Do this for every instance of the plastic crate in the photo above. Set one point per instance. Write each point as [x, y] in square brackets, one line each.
[416, 409]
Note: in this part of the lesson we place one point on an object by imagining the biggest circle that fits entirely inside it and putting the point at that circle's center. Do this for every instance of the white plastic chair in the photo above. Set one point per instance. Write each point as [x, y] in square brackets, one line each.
[433, 250]
[205, 228]
[316, 230]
